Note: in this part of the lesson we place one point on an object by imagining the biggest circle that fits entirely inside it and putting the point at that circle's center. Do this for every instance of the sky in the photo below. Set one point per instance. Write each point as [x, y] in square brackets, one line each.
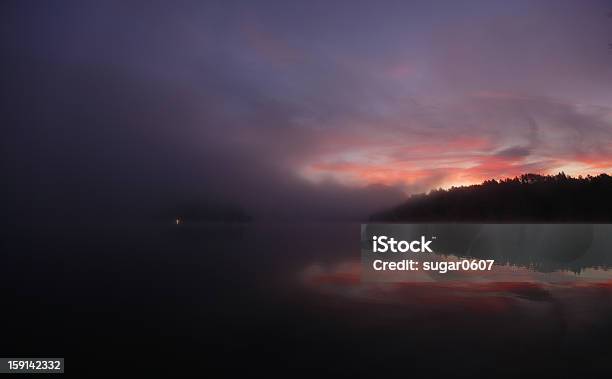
[296, 109]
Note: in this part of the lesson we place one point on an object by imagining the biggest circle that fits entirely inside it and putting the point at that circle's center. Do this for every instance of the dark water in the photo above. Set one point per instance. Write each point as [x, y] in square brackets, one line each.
[286, 299]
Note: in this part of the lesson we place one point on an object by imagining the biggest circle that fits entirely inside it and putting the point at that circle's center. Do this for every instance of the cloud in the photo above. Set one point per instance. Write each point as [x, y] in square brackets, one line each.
[514, 152]
[303, 109]
[472, 140]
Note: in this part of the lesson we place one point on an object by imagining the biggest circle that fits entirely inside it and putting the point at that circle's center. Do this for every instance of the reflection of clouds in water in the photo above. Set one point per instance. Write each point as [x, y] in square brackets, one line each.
[558, 305]
[349, 272]
[344, 279]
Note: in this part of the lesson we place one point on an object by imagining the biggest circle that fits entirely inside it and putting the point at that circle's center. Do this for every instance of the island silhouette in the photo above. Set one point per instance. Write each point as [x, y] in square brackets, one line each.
[527, 198]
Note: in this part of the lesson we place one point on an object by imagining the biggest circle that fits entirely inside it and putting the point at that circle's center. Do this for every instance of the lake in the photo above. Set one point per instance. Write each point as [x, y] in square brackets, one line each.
[177, 299]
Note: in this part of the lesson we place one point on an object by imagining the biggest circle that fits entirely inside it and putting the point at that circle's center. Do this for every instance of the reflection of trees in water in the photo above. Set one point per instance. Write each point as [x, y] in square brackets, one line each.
[541, 247]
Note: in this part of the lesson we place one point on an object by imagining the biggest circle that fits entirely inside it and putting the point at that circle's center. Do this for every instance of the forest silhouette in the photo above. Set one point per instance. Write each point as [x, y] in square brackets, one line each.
[528, 198]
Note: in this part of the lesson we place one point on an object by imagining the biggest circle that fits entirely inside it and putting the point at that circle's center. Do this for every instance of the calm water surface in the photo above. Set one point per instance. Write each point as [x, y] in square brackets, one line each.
[284, 297]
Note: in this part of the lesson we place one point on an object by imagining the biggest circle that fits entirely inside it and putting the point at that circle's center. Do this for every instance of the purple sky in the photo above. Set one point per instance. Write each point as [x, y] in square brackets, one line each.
[303, 107]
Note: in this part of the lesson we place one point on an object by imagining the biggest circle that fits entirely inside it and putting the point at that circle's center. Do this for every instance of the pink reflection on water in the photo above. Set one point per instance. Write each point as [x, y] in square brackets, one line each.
[544, 301]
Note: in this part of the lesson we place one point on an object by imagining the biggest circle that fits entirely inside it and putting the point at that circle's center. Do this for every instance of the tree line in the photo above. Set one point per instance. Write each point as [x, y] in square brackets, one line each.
[526, 198]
